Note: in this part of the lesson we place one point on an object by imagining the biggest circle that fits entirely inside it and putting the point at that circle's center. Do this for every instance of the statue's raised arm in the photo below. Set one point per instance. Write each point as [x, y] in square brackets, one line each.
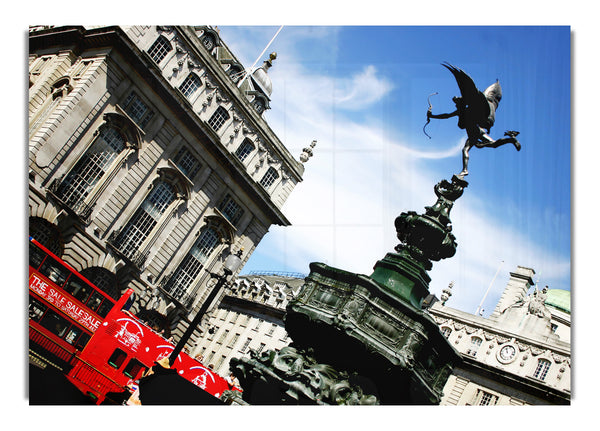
[476, 112]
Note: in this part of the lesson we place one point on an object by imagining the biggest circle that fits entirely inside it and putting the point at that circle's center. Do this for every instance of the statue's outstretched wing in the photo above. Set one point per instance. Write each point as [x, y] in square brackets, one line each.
[472, 97]
[468, 90]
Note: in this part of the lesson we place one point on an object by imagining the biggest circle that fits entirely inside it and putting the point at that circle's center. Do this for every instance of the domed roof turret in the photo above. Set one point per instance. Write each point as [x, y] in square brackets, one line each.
[261, 78]
[559, 298]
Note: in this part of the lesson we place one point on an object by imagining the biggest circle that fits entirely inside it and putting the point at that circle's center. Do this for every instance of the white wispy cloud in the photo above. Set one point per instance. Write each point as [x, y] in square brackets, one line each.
[361, 90]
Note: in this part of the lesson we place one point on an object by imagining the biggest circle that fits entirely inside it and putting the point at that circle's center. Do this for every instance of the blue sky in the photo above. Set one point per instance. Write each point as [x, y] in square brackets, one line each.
[361, 92]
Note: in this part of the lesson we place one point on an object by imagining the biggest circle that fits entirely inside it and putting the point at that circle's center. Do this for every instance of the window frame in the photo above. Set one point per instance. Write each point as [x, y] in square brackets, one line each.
[542, 368]
[190, 267]
[474, 346]
[244, 348]
[150, 216]
[218, 118]
[269, 178]
[231, 209]
[131, 365]
[159, 49]
[141, 120]
[94, 168]
[244, 150]
[259, 104]
[190, 85]
[484, 398]
[185, 157]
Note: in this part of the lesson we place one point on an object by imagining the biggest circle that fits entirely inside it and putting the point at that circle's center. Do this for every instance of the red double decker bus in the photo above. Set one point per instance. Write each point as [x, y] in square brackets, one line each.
[101, 347]
[65, 309]
[123, 348]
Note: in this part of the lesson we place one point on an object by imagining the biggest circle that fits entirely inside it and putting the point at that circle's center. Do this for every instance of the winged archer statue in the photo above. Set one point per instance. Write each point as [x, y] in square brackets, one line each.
[476, 112]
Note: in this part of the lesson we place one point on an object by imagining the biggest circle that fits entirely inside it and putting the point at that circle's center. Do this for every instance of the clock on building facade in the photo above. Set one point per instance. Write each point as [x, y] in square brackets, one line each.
[507, 353]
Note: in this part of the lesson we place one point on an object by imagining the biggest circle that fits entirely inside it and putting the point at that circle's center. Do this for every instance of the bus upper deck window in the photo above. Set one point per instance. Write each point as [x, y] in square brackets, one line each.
[94, 301]
[78, 288]
[54, 271]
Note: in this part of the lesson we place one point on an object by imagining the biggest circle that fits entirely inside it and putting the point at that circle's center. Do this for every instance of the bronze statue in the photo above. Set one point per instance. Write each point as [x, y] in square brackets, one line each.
[476, 113]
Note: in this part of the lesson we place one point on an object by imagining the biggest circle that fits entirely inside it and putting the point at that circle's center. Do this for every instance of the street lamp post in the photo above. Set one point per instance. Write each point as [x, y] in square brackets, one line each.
[231, 265]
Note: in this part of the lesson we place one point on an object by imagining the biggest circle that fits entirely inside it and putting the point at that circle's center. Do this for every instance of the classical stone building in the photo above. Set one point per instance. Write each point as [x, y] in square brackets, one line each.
[519, 355]
[249, 317]
[150, 160]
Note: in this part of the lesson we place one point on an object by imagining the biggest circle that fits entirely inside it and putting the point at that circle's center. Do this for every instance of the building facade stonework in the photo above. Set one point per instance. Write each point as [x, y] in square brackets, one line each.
[150, 159]
[519, 355]
[250, 317]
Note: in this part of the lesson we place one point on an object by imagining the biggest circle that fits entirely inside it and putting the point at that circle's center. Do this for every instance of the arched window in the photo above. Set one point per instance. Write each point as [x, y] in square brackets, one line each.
[259, 104]
[46, 234]
[245, 148]
[541, 370]
[208, 40]
[91, 168]
[189, 86]
[147, 216]
[218, 118]
[475, 343]
[235, 72]
[104, 280]
[159, 49]
[446, 331]
[189, 268]
[269, 178]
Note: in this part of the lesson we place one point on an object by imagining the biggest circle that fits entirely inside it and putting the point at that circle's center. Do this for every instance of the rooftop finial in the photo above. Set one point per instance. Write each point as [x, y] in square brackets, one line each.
[447, 293]
[268, 63]
[307, 152]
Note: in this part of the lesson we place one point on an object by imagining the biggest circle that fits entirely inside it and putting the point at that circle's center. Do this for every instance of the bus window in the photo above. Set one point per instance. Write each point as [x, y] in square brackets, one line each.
[54, 323]
[36, 309]
[117, 358]
[54, 271]
[36, 256]
[78, 288]
[94, 301]
[133, 369]
[105, 308]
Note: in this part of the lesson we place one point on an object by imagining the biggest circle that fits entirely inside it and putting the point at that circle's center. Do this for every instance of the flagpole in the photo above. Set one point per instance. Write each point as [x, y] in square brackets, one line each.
[488, 289]
[258, 58]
